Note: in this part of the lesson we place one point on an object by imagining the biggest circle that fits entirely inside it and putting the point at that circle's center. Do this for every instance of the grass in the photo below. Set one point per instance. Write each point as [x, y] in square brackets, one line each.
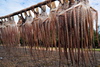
[97, 49]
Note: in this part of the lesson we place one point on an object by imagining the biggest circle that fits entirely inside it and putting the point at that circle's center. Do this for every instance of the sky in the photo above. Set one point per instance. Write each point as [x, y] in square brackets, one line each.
[10, 6]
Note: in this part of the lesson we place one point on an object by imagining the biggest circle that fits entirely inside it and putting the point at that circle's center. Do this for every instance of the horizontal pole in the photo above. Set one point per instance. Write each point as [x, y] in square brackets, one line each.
[27, 9]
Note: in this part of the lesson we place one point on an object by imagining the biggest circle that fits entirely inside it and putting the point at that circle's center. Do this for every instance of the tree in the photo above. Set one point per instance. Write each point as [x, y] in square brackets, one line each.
[95, 38]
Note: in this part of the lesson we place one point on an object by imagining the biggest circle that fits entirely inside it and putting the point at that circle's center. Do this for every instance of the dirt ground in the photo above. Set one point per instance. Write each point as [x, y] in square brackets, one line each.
[22, 57]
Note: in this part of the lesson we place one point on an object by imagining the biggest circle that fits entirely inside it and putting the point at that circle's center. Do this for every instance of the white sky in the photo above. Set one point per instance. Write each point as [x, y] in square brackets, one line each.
[10, 6]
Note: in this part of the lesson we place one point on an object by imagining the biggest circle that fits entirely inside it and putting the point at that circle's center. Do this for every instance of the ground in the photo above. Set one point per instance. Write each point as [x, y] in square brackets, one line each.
[22, 57]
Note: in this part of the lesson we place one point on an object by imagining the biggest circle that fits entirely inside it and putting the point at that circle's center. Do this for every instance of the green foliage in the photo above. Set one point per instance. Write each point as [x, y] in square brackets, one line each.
[95, 39]
[22, 41]
[0, 42]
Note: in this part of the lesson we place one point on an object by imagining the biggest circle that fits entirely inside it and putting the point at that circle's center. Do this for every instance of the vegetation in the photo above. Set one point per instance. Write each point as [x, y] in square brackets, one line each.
[0, 42]
[97, 49]
[95, 39]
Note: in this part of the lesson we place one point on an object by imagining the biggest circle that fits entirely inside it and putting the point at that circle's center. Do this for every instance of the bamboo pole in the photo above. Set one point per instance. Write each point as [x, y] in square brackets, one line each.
[27, 9]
